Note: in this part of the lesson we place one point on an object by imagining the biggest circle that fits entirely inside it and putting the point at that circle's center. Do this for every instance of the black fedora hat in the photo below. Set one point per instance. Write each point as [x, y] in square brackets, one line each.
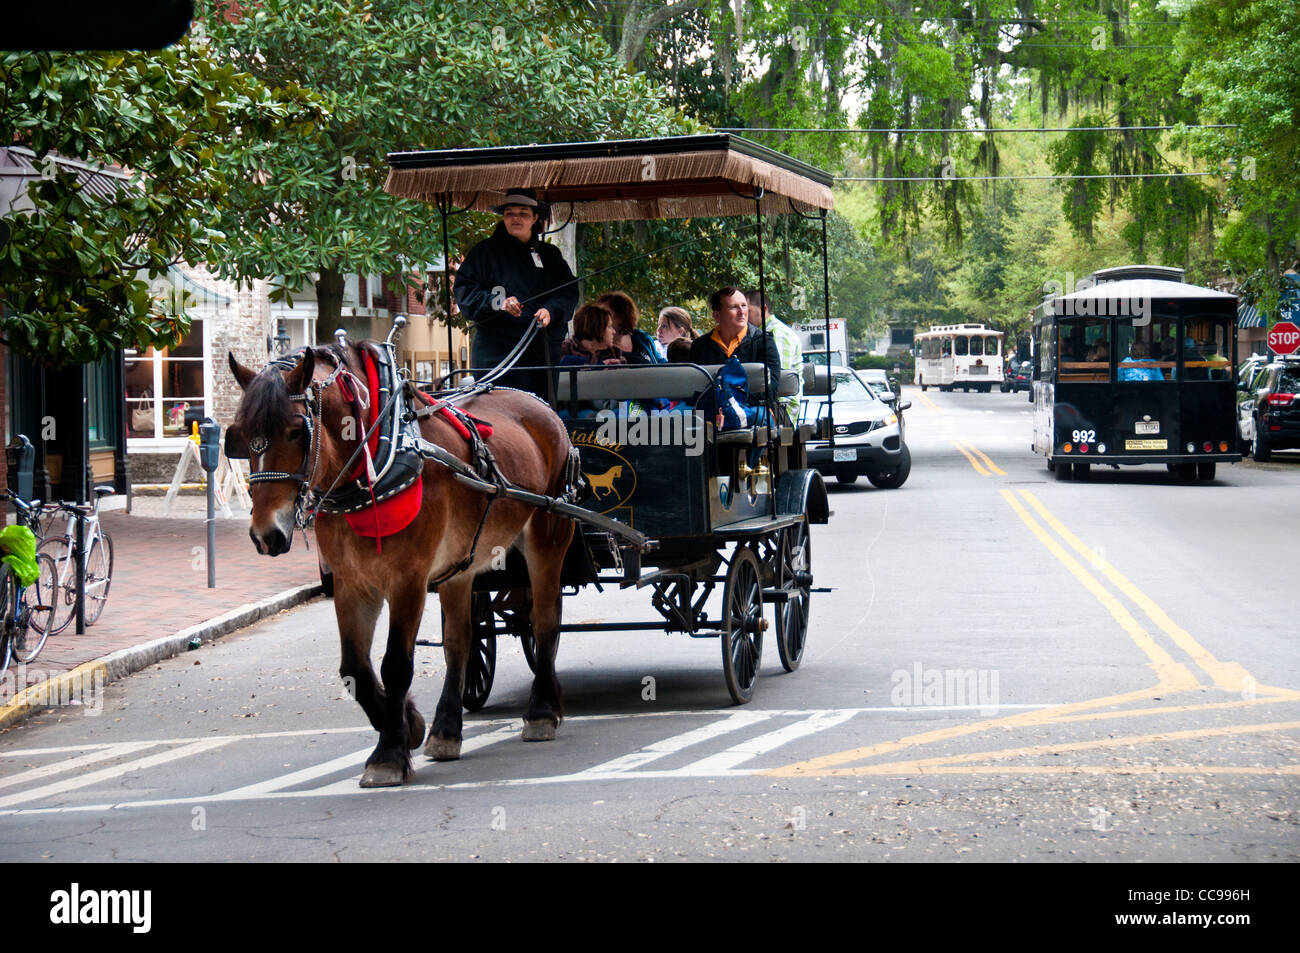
[525, 197]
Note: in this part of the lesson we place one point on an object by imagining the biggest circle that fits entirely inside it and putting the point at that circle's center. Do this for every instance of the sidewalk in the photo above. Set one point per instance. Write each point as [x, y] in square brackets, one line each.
[159, 590]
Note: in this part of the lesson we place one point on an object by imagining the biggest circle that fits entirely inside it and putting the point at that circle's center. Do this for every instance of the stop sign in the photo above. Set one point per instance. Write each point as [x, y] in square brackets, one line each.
[1284, 338]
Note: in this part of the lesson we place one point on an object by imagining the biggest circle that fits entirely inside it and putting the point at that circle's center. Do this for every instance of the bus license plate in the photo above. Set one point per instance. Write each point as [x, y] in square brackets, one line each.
[1146, 444]
[1146, 426]
[844, 456]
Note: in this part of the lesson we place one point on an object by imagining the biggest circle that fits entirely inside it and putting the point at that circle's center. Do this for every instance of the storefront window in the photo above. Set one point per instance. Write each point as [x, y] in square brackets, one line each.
[164, 387]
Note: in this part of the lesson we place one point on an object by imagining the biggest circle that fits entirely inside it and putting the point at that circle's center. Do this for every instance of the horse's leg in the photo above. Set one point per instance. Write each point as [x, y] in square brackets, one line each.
[445, 732]
[390, 763]
[356, 612]
[544, 542]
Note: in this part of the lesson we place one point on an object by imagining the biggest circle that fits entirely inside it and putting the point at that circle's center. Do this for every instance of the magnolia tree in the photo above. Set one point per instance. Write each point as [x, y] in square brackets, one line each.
[75, 274]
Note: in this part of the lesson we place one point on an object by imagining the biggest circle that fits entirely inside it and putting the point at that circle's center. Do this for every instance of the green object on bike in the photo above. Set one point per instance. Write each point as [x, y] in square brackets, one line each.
[20, 545]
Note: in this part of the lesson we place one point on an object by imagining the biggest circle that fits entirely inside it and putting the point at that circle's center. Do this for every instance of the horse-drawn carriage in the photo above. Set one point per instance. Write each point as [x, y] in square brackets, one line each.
[715, 507]
[668, 502]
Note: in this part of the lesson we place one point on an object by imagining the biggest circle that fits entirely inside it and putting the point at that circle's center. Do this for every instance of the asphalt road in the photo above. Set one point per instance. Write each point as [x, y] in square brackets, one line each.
[1002, 667]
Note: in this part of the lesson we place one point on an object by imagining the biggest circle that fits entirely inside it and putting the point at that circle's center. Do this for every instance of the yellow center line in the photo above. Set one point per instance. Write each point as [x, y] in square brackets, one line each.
[1167, 670]
[987, 462]
[973, 462]
[928, 765]
[1230, 676]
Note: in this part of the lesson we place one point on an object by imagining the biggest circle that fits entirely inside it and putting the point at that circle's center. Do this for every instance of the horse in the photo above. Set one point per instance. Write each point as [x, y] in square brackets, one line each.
[531, 448]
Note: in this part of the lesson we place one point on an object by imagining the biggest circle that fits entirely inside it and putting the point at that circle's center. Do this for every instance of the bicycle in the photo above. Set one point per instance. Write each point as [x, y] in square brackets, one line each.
[98, 546]
[27, 609]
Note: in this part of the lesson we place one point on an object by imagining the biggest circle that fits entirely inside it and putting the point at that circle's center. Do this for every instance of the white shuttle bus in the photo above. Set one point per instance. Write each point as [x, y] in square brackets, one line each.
[968, 356]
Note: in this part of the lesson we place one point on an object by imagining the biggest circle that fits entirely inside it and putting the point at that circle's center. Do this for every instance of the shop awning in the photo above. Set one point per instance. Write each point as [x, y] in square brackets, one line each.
[1248, 316]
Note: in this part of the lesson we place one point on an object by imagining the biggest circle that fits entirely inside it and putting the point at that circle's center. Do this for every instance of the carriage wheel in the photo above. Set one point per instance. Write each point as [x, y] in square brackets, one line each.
[515, 608]
[795, 568]
[743, 624]
[481, 668]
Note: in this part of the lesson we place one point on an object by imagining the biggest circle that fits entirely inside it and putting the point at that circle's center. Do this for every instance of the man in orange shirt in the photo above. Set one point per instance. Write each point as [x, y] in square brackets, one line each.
[733, 336]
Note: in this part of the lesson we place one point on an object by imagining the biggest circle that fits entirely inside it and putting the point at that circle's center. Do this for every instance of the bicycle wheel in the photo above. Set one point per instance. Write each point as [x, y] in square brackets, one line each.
[33, 617]
[59, 549]
[99, 574]
[6, 620]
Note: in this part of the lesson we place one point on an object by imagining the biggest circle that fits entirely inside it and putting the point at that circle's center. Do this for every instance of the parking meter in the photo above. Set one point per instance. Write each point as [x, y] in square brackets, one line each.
[209, 444]
[20, 459]
[209, 457]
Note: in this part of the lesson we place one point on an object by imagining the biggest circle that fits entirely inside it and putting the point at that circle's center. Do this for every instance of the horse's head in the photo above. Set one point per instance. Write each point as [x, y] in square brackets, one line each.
[283, 427]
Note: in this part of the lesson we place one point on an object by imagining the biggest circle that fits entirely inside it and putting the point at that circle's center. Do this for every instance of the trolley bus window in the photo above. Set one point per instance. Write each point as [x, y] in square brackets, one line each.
[991, 346]
[1085, 349]
[1044, 351]
[977, 347]
[1207, 348]
[959, 346]
[1146, 352]
[946, 347]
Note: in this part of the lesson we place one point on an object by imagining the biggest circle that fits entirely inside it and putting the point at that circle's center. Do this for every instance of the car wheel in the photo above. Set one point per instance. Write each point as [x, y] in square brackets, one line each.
[846, 478]
[895, 476]
[1259, 448]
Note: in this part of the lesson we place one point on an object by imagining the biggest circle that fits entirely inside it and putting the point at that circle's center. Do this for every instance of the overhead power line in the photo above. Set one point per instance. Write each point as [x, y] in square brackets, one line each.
[1226, 125]
[993, 178]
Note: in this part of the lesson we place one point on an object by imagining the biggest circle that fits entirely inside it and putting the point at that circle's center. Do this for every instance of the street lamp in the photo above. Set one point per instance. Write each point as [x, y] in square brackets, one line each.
[281, 339]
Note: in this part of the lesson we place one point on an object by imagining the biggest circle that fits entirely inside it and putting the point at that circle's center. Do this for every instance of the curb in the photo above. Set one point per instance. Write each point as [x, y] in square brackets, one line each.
[99, 672]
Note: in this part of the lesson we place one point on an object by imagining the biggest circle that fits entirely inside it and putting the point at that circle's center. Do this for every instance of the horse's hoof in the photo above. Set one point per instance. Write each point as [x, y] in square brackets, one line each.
[383, 776]
[541, 730]
[442, 749]
[414, 729]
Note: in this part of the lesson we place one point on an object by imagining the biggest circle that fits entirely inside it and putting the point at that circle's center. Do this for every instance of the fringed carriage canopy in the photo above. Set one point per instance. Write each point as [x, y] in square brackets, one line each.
[675, 177]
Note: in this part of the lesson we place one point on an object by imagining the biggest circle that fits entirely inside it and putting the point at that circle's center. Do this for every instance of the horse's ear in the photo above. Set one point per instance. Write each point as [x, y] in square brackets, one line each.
[301, 375]
[242, 374]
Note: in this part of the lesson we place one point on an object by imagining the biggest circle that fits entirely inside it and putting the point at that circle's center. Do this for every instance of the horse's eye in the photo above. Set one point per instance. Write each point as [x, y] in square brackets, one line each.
[292, 434]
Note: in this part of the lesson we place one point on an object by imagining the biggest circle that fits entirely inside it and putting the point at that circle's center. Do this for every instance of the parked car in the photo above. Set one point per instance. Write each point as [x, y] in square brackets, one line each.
[881, 385]
[1268, 410]
[1018, 379]
[869, 434]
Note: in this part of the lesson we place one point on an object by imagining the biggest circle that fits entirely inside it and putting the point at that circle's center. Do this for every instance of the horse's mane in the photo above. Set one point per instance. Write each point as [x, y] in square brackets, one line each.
[266, 408]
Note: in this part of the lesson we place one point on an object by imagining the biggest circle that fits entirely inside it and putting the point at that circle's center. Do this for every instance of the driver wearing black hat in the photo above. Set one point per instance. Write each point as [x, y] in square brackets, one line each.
[513, 278]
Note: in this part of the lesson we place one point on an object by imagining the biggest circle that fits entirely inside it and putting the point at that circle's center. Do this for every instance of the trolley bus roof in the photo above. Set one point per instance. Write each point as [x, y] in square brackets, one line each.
[675, 177]
[1144, 289]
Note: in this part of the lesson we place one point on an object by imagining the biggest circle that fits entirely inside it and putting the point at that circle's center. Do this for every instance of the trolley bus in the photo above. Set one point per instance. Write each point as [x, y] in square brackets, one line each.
[1135, 367]
[968, 356]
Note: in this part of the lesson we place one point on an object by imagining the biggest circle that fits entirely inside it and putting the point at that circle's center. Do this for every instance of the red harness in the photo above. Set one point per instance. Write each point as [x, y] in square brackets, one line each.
[397, 512]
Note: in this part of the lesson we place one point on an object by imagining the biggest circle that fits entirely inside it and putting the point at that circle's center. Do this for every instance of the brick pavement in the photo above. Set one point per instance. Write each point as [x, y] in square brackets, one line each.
[160, 585]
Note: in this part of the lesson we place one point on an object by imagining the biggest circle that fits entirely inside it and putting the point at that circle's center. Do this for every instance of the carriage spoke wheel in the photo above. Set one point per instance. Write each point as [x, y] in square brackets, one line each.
[795, 568]
[481, 667]
[743, 624]
[515, 608]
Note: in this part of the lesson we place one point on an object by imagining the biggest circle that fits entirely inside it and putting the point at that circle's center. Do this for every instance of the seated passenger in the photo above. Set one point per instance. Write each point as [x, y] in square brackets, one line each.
[593, 338]
[733, 336]
[675, 325]
[679, 351]
[637, 346]
[1146, 369]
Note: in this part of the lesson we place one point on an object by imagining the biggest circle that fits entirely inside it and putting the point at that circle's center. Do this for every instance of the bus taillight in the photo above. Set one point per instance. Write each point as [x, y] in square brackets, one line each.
[1208, 446]
[1068, 447]
[1223, 446]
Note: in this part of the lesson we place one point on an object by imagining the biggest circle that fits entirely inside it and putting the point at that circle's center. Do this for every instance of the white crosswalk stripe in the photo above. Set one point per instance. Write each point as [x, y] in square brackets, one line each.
[341, 773]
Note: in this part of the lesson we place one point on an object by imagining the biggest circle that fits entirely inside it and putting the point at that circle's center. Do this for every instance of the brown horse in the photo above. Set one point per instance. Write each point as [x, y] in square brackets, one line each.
[531, 448]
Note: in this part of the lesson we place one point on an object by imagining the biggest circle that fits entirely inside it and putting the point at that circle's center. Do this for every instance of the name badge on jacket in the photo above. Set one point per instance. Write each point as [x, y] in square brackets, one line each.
[537, 260]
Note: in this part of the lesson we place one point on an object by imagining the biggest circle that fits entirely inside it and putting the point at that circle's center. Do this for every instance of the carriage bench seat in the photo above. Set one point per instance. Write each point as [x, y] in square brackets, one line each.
[744, 436]
[648, 381]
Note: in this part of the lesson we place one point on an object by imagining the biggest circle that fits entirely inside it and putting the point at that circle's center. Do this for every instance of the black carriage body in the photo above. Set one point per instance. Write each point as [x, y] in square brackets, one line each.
[1084, 413]
[650, 471]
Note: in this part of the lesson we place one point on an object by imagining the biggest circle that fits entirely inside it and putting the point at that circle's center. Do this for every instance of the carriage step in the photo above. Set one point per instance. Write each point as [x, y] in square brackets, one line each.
[776, 595]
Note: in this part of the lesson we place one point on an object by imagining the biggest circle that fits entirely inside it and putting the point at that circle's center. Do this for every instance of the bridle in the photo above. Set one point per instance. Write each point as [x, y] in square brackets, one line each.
[309, 498]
